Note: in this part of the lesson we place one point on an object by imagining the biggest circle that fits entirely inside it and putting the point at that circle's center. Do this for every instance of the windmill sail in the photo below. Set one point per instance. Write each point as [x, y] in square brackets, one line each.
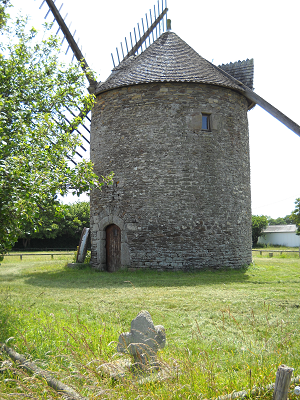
[71, 41]
[77, 53]
[243, 73]
[155, 25]
[271, 110]
[146, 34]
[158, 26]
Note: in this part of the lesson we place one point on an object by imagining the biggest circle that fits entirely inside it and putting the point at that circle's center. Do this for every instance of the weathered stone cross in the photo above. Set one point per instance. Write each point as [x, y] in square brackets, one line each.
[144, 339]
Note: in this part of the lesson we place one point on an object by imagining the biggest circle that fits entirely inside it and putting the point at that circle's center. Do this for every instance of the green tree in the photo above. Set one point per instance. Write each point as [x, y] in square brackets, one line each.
[35, 139]
[296, 215]
[3, 16]
[259, 223]
[45, 227]
[68, 222]
[277, 221]
[287, 220]
[75, 217]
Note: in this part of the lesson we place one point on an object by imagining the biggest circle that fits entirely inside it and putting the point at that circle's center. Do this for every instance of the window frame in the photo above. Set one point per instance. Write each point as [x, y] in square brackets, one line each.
[208, 116]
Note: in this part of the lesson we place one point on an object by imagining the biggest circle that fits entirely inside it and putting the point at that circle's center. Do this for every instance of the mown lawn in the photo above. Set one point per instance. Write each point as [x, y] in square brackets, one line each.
[226, 329]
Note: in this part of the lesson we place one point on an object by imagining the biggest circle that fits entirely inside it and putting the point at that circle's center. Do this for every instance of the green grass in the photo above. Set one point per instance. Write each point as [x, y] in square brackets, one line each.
[226, 330]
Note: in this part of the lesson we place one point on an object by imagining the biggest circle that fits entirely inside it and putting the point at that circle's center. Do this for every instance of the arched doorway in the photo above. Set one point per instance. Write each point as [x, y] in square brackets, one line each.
[113, 248]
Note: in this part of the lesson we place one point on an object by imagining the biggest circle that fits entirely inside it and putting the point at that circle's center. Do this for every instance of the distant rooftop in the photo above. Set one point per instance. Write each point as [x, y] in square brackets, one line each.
[170, 59]
[280, 228]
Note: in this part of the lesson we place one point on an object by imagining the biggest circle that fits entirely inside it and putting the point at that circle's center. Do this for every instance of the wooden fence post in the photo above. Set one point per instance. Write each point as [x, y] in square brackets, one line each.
[20, 256]
[282, 383]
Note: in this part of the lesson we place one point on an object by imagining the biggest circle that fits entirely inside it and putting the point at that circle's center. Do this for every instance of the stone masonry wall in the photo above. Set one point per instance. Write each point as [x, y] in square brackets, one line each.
[181, 195]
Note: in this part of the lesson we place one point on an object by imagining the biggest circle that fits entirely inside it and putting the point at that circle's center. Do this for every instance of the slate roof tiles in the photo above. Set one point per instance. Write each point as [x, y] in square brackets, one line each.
[170, 59]
[241, 70]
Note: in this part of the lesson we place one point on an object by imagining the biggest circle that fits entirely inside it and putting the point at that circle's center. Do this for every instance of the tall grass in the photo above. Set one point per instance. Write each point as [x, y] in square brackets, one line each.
[226, 330]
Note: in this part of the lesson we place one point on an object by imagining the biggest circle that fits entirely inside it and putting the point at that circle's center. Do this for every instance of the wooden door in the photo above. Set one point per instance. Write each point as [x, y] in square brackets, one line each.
[113, 248]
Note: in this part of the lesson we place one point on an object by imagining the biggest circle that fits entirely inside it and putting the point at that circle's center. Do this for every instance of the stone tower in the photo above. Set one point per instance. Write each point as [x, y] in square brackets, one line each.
[173, 128]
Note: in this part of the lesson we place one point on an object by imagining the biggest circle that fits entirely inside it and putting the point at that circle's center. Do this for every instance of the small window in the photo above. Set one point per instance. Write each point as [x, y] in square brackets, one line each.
[205, 122]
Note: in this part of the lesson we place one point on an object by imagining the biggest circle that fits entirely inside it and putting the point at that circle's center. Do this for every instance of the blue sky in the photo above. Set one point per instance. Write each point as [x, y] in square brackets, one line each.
[220, 31]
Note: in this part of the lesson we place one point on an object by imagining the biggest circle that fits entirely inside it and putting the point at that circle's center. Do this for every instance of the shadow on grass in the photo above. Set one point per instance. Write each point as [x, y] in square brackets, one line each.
[89, 278]
[7, 322]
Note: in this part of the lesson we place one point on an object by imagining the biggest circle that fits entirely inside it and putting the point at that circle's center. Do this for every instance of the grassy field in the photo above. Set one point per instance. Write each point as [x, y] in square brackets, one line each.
[226, 330]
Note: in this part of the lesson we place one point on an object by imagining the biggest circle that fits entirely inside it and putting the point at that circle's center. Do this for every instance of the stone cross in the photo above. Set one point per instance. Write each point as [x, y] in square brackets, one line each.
[144, 339]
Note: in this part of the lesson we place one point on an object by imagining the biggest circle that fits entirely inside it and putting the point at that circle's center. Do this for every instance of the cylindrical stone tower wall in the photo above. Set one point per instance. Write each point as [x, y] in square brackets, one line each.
[181, 194]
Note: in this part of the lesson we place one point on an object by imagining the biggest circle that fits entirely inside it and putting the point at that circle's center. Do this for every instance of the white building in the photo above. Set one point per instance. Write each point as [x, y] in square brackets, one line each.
[284, 235]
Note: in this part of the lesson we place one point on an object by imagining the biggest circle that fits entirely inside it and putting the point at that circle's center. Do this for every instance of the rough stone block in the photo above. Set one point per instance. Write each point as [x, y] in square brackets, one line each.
[144, 339]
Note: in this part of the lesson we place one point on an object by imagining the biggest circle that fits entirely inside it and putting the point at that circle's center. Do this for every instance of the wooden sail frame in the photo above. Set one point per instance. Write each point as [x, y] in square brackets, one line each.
[248, 93]
[77, 53]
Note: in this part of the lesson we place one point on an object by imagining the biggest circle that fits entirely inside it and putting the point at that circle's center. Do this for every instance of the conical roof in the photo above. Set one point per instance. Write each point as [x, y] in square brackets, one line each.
[168, 59]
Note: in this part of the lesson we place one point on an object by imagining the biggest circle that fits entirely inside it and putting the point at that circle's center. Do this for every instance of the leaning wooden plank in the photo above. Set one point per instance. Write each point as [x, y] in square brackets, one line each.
[32, 367]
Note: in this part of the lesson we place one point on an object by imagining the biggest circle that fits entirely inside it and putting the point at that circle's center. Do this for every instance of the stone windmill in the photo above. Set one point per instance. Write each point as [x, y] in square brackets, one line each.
[173, 127]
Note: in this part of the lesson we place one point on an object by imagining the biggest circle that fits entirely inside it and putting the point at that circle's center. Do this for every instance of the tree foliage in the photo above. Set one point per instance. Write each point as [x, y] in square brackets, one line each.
[296, 215]
[36, 141]
[68, 222]
[75, 217]
[287, 220]
[259, 223]
[3, 15]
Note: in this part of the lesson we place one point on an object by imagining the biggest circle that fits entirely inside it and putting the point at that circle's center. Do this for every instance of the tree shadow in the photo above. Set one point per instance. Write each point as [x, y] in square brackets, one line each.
[89, 278]
[7, 323]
